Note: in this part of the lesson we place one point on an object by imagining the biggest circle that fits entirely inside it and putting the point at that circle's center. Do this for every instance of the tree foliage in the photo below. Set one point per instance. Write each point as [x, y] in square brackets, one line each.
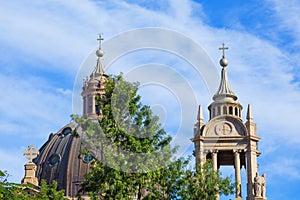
[14, 191]
[49, 192]
[135, 151]
[11, 191]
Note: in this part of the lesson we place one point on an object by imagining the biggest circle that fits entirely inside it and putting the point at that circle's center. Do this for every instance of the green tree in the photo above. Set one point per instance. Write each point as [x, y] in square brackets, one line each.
[11, 191]
[135, 151]
[204, 183]
[14, 191]
[50, 192]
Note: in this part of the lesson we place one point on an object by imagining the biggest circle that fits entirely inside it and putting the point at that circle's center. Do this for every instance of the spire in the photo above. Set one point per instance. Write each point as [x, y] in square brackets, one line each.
[224, 87]
[249, 114]
[99, 69]
[200, 117]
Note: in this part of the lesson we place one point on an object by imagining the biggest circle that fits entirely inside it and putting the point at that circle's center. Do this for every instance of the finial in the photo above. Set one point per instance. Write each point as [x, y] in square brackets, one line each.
[99, 52]
[223, 61]
[31, 153]
[249, 113]
[100, 38]
[200, 114]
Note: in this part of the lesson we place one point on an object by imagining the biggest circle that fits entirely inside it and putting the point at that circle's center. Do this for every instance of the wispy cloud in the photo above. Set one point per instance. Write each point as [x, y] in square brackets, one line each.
[61, 34]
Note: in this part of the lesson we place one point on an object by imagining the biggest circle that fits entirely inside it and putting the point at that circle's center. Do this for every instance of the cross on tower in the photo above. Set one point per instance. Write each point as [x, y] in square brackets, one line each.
[223, 48]
[31, 153]
[100, 38]
[226, 129]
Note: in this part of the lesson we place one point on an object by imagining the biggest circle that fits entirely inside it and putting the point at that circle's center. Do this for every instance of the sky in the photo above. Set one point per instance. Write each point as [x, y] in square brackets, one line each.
[46, 47]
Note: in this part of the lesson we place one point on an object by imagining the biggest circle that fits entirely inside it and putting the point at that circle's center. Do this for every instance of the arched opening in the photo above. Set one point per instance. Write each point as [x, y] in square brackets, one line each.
[236, 111]
[219, 110]
[90, 104]
[230, 110]
[224, 110]
[97, 107]
[213, 112]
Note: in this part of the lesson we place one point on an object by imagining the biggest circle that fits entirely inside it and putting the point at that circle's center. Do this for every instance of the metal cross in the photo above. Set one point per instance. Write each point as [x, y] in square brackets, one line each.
[223, 48]
[100, 38]
[31, 153]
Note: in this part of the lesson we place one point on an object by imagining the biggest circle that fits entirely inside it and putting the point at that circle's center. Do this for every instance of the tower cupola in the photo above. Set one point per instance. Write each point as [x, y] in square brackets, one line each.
[94, 86]
[224, 100]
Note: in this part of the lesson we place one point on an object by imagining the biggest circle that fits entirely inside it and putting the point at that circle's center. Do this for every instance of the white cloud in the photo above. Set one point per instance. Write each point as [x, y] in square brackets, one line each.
[287, 12]
[62, 33]
[13, 162]
[27, 106]
[284, 167]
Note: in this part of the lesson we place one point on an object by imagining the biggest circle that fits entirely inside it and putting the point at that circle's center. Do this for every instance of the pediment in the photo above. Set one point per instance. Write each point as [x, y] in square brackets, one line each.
[223, 127]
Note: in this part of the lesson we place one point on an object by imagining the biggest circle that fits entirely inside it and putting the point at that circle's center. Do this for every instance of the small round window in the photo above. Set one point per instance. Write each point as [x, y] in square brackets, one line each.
[66, 131]
[88, 158]
[54, 159]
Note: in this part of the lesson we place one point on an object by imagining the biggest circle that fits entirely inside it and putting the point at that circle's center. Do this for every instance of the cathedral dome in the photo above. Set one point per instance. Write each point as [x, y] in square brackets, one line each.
[60, 160]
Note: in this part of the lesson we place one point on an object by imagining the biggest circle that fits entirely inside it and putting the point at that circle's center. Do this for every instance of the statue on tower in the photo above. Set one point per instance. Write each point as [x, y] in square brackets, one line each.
[260, 185]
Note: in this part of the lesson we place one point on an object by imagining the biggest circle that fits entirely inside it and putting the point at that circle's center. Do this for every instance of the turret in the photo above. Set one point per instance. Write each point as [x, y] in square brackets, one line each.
[225, 100]
[93, 86]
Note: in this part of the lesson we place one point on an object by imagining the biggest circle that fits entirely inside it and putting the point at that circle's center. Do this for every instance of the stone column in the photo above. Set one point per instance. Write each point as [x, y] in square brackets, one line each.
[214, 155]
[237, 166]
[94, 105]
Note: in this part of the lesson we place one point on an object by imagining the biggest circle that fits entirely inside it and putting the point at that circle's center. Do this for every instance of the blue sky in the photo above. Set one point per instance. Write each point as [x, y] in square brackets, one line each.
[44, 44]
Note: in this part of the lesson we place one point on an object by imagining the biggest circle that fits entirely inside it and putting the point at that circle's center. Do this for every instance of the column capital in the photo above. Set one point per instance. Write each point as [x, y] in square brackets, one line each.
[213, 151]
[237, 150]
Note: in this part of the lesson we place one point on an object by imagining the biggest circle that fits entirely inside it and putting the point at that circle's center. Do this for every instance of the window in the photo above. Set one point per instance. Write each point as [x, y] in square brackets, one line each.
[84, 105]
[230, 110]
[67, 131]
[54, 159]
[224, 110]
[88, 158]
[90, 104]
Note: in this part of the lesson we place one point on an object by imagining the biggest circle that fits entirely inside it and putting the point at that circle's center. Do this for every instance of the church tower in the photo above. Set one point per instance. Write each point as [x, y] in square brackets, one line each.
[227, 140]
[61, 158]
[94, 86]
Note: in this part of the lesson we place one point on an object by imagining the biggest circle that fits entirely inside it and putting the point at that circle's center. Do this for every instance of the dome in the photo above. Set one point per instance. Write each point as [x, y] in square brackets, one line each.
[60, 160]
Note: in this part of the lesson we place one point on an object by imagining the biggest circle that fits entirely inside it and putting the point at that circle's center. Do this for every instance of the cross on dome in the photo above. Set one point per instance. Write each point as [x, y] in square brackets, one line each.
[31, 153]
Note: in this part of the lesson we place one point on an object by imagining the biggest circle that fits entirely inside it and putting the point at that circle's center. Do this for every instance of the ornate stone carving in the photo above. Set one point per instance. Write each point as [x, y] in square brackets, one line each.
[264, 186]
[257, 185]
[223, 129]
[260, 185]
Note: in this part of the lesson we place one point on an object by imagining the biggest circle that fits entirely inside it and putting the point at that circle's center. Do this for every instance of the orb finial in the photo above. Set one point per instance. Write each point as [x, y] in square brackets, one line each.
[99, 52]
[223, 61]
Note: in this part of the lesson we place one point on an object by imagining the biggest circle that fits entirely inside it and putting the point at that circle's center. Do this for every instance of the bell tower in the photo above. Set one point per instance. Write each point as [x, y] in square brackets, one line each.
[227, 141]
[93, 86]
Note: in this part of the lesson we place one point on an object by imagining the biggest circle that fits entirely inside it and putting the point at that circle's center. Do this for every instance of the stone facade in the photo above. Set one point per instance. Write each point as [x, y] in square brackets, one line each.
[227, 140]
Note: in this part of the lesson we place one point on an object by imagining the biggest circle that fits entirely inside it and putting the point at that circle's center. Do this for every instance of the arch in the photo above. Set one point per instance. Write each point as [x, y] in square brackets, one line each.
[224, 110]
[213, 112]
[230, 110]
[236, 111]
[219, 110]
